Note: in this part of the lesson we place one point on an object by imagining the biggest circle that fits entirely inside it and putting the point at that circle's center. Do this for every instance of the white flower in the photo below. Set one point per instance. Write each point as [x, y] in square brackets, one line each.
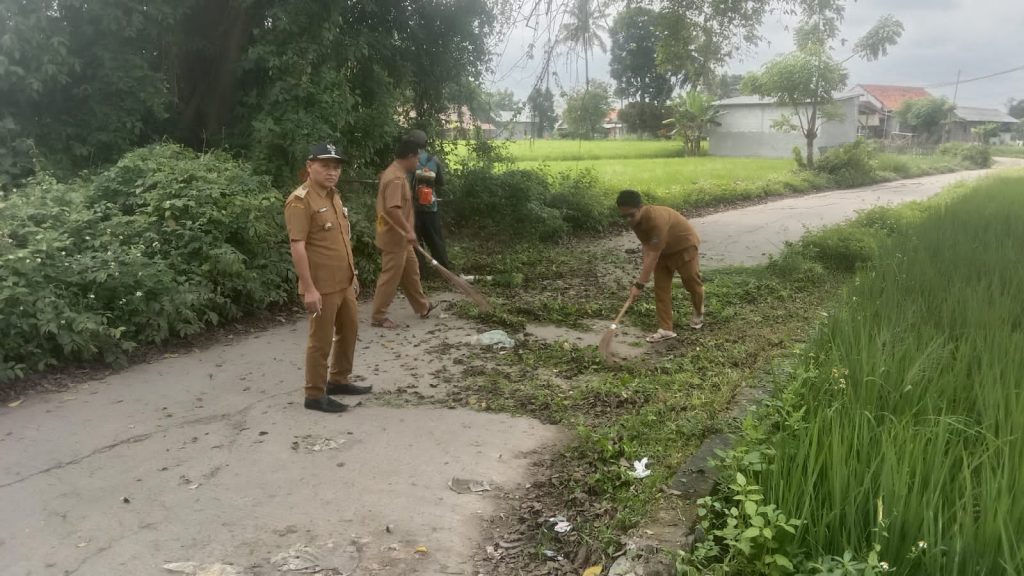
[921, 544]
[92, 296]
[138, 293]
[884, 566]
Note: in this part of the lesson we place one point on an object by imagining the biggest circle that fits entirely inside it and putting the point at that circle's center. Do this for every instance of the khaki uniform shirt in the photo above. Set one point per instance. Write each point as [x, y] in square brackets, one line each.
[318, 218]
[662, 229]
[394, 192]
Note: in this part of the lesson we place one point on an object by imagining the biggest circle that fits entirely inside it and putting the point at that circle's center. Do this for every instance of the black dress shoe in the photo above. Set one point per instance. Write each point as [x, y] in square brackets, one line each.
[325, 404]
[335, 388]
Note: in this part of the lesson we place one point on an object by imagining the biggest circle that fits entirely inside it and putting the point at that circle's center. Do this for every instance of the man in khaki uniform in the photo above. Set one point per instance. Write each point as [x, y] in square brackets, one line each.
[670, 246]
[396, 238]
[320, 235]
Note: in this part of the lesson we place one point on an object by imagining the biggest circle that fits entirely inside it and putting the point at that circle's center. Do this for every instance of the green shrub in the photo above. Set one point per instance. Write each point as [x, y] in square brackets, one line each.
[580, 197]
[160, 246]
[506, 204]
[849, 165]
[528, 204]
[794, 265]
[798, 158]
[841, 248]
[975, 155]
[893, 164]
[891, 219]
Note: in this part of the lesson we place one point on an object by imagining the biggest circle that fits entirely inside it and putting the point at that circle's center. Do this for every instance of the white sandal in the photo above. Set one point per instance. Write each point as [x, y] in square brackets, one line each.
[660, 335]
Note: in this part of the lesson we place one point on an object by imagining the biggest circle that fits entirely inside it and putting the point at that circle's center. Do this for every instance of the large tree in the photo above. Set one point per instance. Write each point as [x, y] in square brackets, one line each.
[586, 109]
[725, 85]
[634, 67]
[1015, 108]
[644, 118]
[698, 37]
[541, 102]
[925, 117]
[82, 82]
[584, 30]
[634, 63]
[807, 79]
[501, 100]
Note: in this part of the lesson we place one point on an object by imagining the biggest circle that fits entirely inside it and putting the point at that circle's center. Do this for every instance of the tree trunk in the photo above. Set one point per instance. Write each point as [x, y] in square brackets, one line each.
[811, 134]
[207, 74]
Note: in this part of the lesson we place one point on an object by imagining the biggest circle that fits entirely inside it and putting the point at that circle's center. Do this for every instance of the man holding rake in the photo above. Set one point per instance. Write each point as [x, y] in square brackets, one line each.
[670, 247]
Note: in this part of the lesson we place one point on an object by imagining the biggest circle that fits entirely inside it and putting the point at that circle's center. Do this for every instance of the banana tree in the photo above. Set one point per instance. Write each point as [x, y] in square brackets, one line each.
[694, 115]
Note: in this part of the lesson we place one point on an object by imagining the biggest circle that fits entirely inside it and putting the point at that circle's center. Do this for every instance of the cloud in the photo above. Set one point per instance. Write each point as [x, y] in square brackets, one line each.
[976, 37]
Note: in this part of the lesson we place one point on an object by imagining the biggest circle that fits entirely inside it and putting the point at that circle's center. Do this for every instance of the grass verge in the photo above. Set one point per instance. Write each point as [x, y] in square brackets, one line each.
[660, 406]
[1008, 151]
[895, 447]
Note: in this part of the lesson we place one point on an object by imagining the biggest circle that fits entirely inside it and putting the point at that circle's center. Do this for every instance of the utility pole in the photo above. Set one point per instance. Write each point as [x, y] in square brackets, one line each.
[949, 117]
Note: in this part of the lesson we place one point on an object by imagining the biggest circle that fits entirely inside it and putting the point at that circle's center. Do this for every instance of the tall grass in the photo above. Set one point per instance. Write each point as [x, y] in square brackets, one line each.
[1008, 151]
[685, 183]
[566, 150]
[912, 427]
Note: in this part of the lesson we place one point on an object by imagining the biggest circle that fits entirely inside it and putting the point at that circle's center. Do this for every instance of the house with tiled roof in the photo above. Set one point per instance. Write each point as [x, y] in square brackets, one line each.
[876, 115]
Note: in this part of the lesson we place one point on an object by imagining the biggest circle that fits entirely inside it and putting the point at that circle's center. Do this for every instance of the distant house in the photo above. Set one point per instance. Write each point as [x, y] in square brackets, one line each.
[876, 114]
[460, 123]
[513, 125]
[966, 119]
[746, 128]
[613, 127]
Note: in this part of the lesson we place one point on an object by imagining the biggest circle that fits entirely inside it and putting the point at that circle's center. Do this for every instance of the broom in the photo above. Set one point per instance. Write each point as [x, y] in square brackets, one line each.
[605, 345]
[454, 279]
[460, 283]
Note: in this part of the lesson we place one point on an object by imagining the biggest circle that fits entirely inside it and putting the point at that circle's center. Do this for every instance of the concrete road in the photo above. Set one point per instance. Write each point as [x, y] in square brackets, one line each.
[209, 457]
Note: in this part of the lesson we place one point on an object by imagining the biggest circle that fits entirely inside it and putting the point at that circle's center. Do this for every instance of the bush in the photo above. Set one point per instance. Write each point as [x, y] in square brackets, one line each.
[794, 265]
[842, 248]
[579, 197]
[849, 165]
[507, 204]
[527, 204]
[160, 246]
[975, 155]
[898, 166]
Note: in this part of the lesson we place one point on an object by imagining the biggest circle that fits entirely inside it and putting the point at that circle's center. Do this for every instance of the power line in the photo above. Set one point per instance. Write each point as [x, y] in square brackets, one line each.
[985, 77]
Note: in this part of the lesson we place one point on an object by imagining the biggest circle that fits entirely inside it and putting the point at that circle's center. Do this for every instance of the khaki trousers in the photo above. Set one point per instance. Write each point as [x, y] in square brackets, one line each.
[336, 327]
[686, 263]
[398, 269]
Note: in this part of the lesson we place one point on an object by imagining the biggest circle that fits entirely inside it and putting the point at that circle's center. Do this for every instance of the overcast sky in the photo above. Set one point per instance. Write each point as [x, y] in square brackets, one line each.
[977, 37]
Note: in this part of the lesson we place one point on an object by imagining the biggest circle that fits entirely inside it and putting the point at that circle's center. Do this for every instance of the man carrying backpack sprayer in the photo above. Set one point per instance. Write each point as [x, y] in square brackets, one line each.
[670, 247]
[425, 183]
[396, 239]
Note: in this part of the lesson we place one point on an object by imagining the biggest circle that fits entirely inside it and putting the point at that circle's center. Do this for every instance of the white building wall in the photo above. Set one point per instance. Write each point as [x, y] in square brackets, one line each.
[746, 130]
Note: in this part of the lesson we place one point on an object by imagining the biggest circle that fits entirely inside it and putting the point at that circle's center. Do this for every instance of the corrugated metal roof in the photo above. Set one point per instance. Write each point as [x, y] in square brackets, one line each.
[970, 114]
[506, 116]
[758, 101]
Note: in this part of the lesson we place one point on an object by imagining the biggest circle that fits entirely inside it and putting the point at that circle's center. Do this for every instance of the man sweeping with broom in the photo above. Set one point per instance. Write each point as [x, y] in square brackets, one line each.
[396, 239]
[670, 246]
